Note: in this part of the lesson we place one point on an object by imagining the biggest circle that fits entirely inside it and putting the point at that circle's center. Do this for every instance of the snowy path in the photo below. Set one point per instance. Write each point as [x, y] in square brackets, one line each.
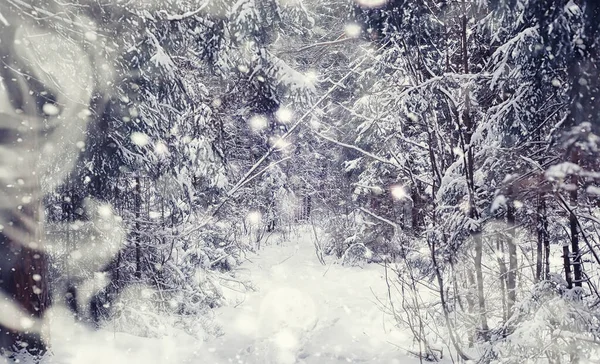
[300, 312]
[304, 312]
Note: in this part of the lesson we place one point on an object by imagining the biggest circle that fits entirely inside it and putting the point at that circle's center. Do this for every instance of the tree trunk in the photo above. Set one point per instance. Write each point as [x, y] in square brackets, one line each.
[116, 275]
[307, 207]
[577, 268]
[503, 272]
[480, 292]
[567, 265]
[138, 249]
[469, 172]
[24, 277]
[511, 281]
[546, 241]
[539, 261]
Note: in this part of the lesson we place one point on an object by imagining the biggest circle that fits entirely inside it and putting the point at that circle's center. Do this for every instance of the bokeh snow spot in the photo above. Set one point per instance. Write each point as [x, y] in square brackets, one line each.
[352, 30]
[398, 192]
[50, 109]
[371, 3]
[254, 218]
[258, 122]
[139, 139]
[284, 115]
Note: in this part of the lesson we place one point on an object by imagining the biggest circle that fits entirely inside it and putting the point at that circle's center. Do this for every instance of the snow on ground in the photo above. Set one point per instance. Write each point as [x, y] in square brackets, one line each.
[299, 312]
[304, 312]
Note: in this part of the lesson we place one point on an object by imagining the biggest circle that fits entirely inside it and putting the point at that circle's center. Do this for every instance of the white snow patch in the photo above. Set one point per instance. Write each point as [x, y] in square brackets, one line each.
[399, 193]
[371, 3]
[593, 190]
[499, 201]
[140, 139]
[300, 312]
[562, 170]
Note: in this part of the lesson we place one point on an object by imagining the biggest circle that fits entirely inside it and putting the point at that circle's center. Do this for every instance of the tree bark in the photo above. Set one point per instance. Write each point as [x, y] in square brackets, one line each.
[546, 241]
[24, 278]
[511, 281]
[503, 272]
[567, 265]
[138, 249]
[576, 253]
[479, 277]
[539, 261]
[469, 173]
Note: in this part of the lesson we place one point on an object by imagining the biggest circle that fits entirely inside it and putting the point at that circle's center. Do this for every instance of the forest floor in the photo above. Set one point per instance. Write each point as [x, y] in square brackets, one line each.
[298, 311]
[305, 312]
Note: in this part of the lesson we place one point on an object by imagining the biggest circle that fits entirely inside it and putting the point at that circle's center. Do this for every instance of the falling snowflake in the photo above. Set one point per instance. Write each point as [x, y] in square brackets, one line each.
[139, 139]
[254, 217]
[398, 192]
[284, 115]
[258, 122]
[352, 30]
[50, 109]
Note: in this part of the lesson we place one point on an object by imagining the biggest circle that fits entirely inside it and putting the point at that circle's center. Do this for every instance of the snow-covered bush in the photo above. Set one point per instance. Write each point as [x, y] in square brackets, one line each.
[550, 325]
[341, 232]
[353, 238]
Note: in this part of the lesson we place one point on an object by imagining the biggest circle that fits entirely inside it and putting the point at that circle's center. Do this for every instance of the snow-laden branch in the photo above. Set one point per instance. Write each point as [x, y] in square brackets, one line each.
[380, 218]
[319, 44]
[259, 173]
[358, 149]
[4, 21]
[176, 17]
[370, 155]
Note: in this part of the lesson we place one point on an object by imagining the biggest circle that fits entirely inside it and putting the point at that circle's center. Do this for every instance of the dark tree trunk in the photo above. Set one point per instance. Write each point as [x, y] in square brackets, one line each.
[503, 272]
[116, 275]
[567, 266]
[138, 249]
[511, 281]
[546, 242]
[539, 261]
[308, 207]
[577, 268]
[469, 160]
[24, 279]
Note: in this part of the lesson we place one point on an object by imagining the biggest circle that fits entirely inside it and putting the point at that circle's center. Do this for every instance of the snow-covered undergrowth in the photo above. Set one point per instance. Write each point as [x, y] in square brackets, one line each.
[296, 311]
